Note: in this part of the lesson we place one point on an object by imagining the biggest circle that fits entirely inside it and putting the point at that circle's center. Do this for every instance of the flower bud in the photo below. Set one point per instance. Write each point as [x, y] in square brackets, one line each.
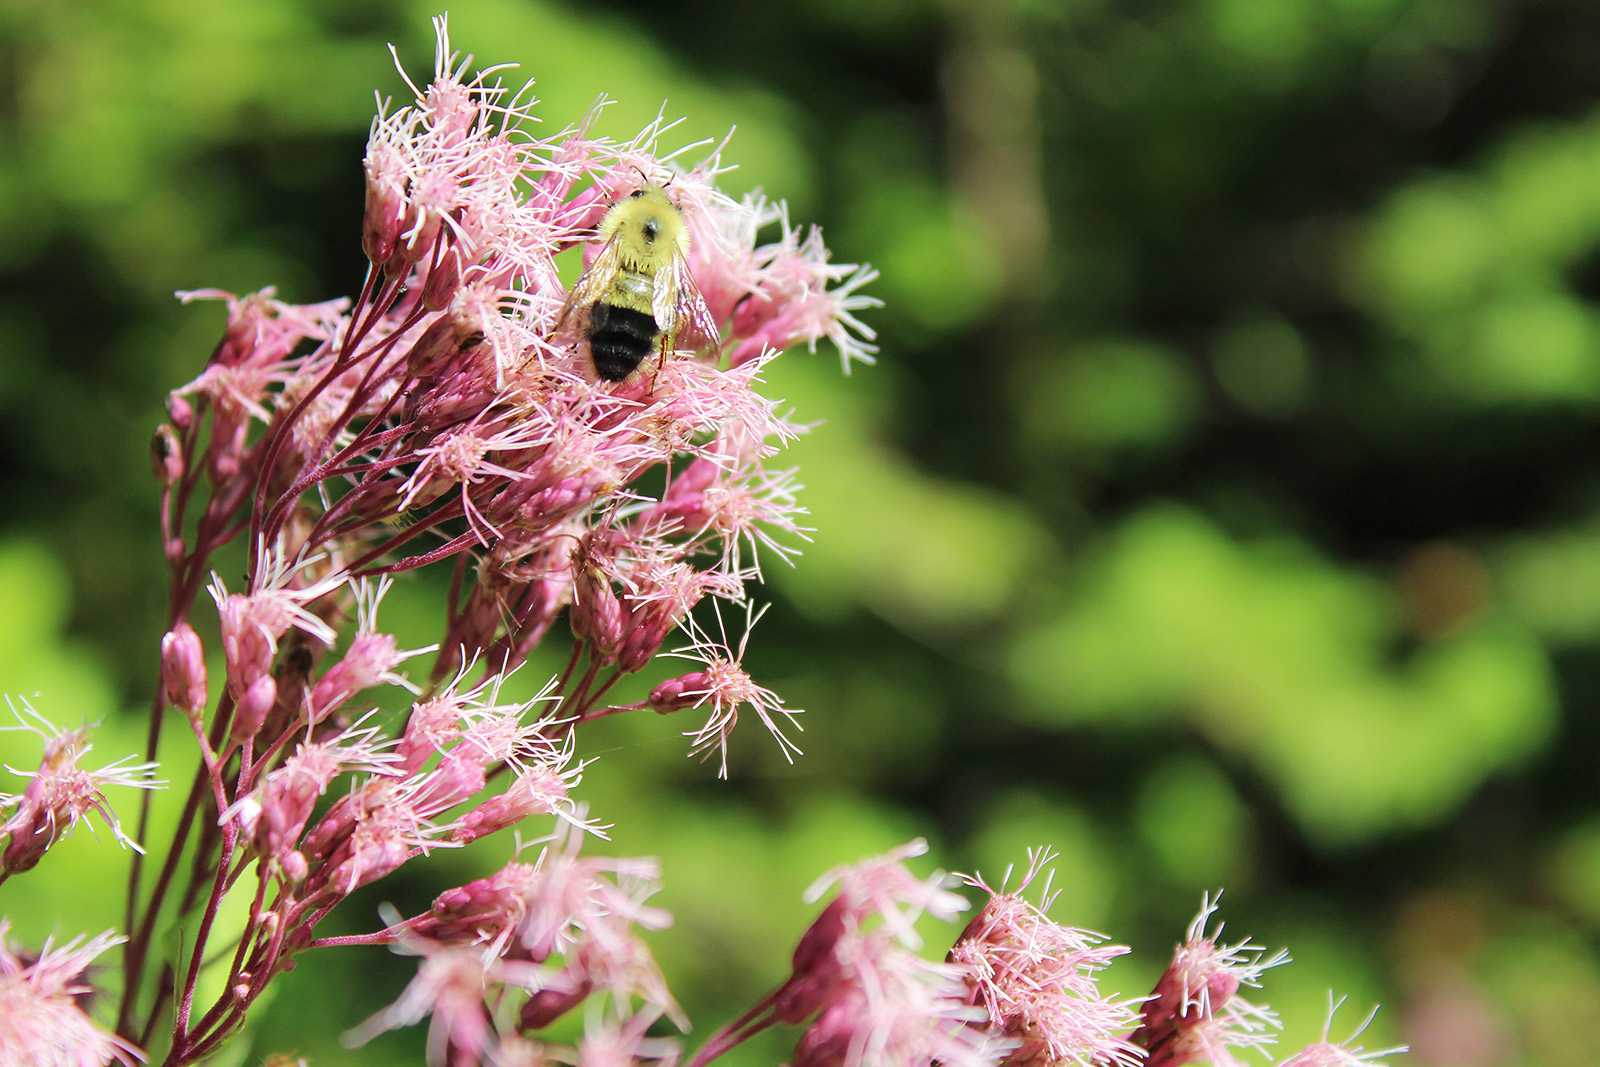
[458, 776]
[31, 837]
[294, 866]
[817, 943]
[228, 438]
[644, 638]
[179, 411]
[166, 455]
[828, 1041]
[251, 711]
[816, 970]
[433, 725]
[183, 668]
[443, 280]
[381, 220]
[408, 251]
[370, 658]
[681, 692]
[441, 342]
[597, 615]
[548, 1005]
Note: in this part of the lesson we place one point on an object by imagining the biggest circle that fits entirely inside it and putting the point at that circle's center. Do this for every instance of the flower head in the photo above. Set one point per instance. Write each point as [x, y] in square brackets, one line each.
[883, 888]
[1037, 978]
[42, 1021]
[451, 985]
[889, 1006]
[61, 792]
[1195, 1011]
[1330, 1053]
[723, 688]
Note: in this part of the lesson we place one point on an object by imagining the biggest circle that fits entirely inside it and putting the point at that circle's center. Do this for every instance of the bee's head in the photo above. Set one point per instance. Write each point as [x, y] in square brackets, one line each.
[649, 223]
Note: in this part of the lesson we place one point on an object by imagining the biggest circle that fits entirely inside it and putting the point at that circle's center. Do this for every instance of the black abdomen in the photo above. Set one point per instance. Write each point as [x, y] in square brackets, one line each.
[619, 339]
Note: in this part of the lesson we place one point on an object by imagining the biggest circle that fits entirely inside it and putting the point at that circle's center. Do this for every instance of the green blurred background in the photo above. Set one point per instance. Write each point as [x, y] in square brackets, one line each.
[1222, 510]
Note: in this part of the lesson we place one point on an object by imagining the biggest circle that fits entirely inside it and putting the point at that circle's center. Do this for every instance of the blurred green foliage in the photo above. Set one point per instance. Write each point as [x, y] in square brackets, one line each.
[1222, 510]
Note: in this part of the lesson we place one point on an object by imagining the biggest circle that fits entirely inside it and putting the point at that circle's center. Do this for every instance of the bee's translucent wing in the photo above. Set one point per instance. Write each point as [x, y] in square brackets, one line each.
[681, 311]
[592, 284]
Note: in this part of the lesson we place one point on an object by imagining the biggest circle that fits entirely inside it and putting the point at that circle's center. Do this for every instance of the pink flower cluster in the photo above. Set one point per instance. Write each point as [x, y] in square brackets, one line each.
[42, 1017]
[60, 793]
[441, 419]
[1016, 988]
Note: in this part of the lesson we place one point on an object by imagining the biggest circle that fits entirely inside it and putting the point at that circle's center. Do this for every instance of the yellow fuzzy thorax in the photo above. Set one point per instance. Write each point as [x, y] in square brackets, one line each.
[648, 229]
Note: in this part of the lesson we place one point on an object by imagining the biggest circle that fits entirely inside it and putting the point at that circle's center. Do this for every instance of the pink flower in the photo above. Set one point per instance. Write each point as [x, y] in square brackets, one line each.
[437, 723]
[451, 985]
[622, 1043]
[461, 458]
[1328, 1053]
[263, 330]
[253, 624]
[386, 823]
[889, 1006]
[793, 302]
[487, 911]
[371, 659]
[587, 909]
[1195, 1011]
[183, 669]
[876, 893]
[883, 888]
[60, 792]
[743, 511]
[275, 814]
[541, 787]
[41, 1021]
[723, 688]
[1037, 978]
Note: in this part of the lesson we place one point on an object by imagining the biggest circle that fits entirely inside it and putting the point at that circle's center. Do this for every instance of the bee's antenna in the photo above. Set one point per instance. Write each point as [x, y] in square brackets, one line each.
[643, 177]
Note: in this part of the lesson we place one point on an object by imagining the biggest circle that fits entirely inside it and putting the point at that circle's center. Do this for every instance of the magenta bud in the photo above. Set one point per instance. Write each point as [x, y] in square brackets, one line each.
[166, 456]
[183, 668]
[174, 549]
[369, 659]
[448, 337]
[817, 943]
[179, 411]
[408, 251]
[29, 842]
[597, 615]
[294, 866]
[644, 638]
[548, 1005]
[381, 222]
[443, 280]
[253, 708]
[680, 692]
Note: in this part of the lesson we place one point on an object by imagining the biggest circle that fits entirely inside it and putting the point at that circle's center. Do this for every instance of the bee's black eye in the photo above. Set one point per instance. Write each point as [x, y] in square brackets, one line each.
[651, 228]
[636, 194]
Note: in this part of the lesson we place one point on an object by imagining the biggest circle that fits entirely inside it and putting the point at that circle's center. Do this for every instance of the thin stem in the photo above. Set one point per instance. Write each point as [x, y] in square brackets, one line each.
[133, 958]
[197, 953]
[594, 698]
[736, 1032]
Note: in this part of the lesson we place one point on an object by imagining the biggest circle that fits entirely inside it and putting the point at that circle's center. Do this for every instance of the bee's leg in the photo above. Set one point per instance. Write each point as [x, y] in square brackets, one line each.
[660, 359]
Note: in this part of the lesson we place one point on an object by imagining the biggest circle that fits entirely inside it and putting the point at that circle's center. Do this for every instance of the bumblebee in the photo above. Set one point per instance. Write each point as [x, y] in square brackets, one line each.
[638, 294]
